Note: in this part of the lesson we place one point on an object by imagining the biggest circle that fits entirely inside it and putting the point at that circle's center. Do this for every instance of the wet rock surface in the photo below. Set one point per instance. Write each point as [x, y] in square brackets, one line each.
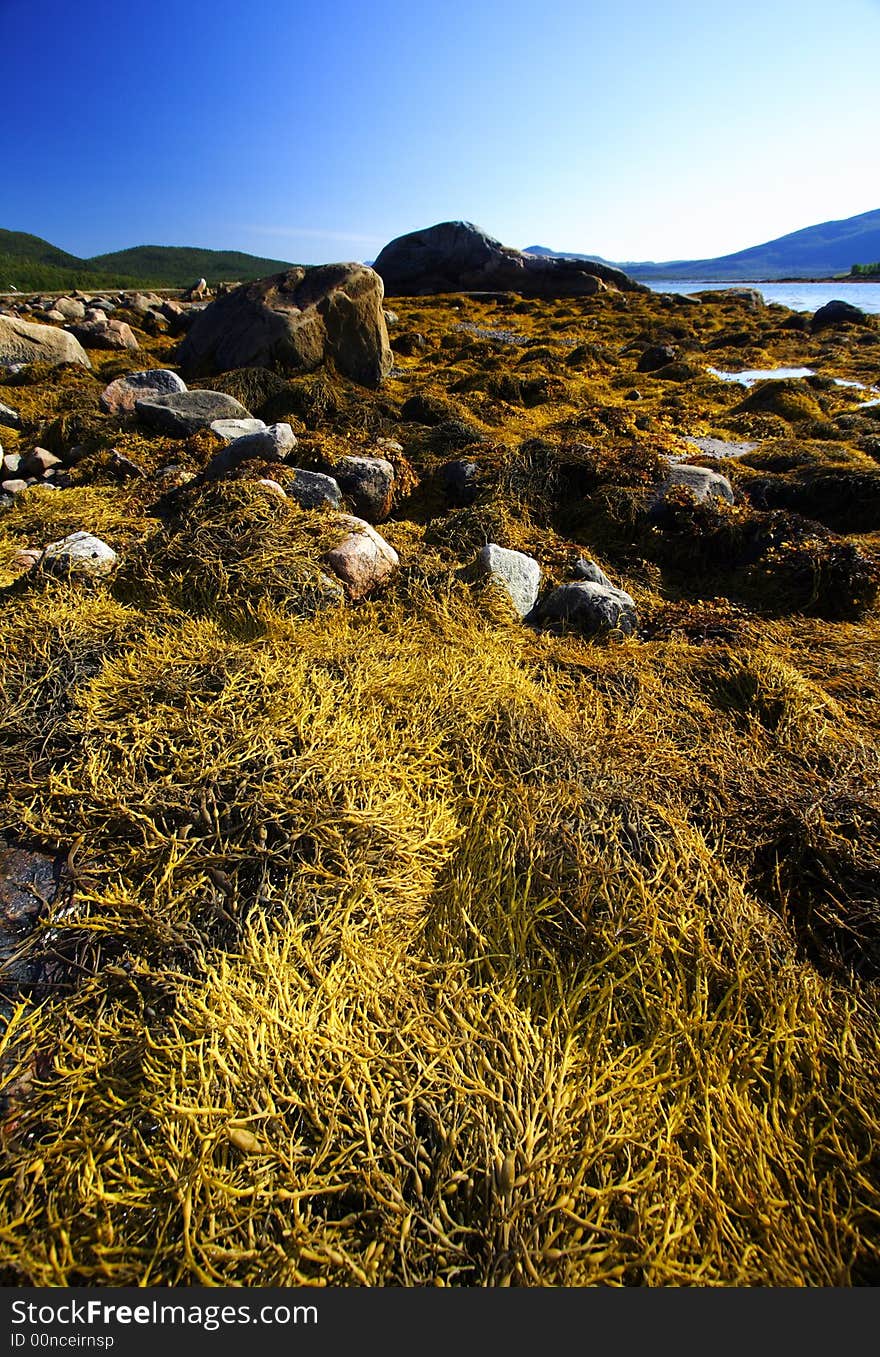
[31, 882]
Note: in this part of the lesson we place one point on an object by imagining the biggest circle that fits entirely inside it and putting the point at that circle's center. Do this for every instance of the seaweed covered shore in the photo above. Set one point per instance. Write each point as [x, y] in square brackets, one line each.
[394, 939]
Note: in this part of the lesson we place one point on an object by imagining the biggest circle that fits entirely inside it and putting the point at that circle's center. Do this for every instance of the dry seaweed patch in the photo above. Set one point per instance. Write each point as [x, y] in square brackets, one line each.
[414, 966]
[412, 946]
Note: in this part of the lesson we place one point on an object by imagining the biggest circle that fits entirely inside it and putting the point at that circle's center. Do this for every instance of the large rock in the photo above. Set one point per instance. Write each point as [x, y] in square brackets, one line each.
[589, 607]
[313, 490]
[700, 480]
[368, 482]
[456, 256]
[71, 308]
[104, 334]
[837, 313]
[295, 321]
[362, 560]
[21, 341]
[182, 413]
[143, 302]
[519, 575]
[120, 396]
[657, 356]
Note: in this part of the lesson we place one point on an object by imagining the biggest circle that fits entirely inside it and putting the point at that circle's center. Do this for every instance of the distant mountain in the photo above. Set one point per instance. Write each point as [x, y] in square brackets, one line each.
[820, 251]
[568, 254]
[29, 263]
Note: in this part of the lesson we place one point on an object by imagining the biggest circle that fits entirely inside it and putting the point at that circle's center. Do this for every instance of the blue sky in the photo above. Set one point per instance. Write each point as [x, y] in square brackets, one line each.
[312, 132]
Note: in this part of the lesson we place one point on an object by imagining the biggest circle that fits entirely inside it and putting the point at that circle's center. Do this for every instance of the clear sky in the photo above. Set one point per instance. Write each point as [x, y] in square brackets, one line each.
[312, 131]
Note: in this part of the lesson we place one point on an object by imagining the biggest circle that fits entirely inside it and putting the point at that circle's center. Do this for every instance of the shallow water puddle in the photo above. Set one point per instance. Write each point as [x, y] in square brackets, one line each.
[752, 375]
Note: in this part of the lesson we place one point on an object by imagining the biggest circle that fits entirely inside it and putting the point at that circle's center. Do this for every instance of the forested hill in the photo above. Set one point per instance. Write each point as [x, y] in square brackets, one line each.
[28, 263]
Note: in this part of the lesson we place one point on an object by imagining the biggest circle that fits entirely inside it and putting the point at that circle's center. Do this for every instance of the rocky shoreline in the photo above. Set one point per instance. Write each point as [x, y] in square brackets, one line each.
[442, 734]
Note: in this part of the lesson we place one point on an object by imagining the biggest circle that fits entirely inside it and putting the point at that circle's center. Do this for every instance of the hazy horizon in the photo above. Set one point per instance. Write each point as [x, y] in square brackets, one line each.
[301, 133]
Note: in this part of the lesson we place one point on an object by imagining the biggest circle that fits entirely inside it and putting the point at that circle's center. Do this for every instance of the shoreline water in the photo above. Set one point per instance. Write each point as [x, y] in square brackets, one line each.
[801, 295]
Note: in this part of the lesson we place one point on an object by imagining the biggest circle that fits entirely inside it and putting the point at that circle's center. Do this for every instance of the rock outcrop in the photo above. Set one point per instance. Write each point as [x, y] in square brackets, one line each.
[295, 321]
[456, 256]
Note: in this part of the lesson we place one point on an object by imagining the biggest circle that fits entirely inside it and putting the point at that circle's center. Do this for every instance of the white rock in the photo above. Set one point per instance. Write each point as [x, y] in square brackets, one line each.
[79, 554]
[518, 574]
[230, 429]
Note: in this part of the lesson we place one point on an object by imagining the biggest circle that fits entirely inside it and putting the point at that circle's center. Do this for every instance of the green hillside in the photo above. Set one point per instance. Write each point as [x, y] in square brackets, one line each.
[20, 245]
[29, 264]
[179, 266]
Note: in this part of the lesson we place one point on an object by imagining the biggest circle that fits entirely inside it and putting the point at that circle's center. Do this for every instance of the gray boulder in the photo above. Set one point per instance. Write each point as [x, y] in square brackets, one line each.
[519, 575]
[104, 333]
[369, 483]
[21, 341]
[295, 321]
[589, 607]
[272, 444]
[456, 256]
[182, 413]
[120, 396]
[71, 308]
[657, 356]
[590, 571]
[702, 481]
[11, 418]
[143, 302]
[312, 490]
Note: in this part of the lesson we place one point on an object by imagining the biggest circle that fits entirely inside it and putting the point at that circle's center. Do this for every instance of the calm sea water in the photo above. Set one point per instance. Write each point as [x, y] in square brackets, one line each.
[796, 296]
